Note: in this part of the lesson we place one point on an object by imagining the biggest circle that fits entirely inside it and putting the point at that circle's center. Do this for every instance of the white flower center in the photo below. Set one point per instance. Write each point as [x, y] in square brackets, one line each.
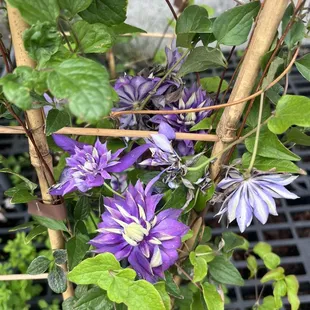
[134, 233]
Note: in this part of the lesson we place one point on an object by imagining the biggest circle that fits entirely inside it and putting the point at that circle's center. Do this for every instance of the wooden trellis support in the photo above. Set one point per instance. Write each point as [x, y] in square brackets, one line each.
[35, 122]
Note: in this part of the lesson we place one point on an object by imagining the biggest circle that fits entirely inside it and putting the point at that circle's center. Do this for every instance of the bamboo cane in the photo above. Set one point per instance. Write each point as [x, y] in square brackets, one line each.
[263, 36]
[36, 125]
[102, 132]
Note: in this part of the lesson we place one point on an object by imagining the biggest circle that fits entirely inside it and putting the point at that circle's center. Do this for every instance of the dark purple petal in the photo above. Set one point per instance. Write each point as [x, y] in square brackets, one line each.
[129, 159]
[67, 144]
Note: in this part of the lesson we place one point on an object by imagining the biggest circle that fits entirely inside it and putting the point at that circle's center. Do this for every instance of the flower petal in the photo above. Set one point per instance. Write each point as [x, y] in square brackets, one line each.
[67, 144]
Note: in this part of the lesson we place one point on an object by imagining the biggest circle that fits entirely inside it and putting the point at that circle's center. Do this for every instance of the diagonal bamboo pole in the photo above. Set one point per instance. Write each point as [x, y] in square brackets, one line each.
[35, 122]
[264, 33]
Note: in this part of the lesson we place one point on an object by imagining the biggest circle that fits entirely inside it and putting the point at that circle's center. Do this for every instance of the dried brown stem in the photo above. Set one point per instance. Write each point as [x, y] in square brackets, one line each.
[4, 56]
[172, 9]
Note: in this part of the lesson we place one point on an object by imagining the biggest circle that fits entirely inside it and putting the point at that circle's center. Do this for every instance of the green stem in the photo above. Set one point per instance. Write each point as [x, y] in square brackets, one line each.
[144, 102]
[112, 190]
[255, 148]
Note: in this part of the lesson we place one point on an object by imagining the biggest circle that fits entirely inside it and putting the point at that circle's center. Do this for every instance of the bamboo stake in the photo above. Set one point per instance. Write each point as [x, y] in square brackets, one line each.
[101, 132]
[18, 277]
[264, 33]
[36, 125]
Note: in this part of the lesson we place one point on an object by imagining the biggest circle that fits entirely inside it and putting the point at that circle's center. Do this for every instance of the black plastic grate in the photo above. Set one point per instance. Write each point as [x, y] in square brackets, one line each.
[287, 233]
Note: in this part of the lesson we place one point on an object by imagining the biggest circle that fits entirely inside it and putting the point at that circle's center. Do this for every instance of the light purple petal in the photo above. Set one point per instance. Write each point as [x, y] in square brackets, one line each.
[166, 130]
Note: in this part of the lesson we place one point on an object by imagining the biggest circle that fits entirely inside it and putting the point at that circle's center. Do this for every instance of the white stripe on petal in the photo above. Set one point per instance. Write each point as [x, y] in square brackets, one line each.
[233, 204]
[156, 260]
[129, 240]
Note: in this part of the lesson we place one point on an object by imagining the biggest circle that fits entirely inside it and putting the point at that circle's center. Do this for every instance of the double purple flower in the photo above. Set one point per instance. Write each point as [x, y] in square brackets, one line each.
[253, 196]
[192, 98]
[130, 229]
[89, 166]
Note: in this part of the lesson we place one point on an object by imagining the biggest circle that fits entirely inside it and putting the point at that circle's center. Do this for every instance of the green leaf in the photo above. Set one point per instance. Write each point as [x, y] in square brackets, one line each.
[82, 208]
[161, 288]
[93, 38]
[177, 198]
[37, 10]
[197, 303]
[268, 304]
[56, 119]
[125, 28]
[290, 110]
[41, 41]
[171, 286]
[271, 260]
[38, 265]
[77, 247]
[275, 275]
[266, 164]
[295, 34]
[276, 64]
[303, 66]
[204, 124]
[16, 92]
[202, 58]
[36, 231]
[60, 256]
[262, 248]
[95, 299]
[270, 146]
[74, 6]
[252, 265]
[233, 241]
[85, 84]
[292, 291]
[205, 252]
[118, 289]
[32, 186]
[280, 288]
[57, 280]
[90, 270]
[193, 174]
[253, 115]
[204, 197]
[233, 26]
[50, 223]
[200, 267]
[212, 297]
[295, 135]
[194, 19]
[211, 84]
[22, 196]
[225, 272]
[22, 226]
[108, 12]
[143, 295]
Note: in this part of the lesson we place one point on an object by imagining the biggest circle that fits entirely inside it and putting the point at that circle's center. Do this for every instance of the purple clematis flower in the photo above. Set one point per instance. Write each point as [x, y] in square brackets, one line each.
[253, 196]
[130, 229]
[161, 148]
[193, 97]
[132, 90]
[89, 166]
